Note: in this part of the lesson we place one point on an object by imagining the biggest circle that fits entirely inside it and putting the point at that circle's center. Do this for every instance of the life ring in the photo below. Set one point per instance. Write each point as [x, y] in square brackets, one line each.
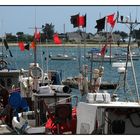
[36, 72]
[3, 64]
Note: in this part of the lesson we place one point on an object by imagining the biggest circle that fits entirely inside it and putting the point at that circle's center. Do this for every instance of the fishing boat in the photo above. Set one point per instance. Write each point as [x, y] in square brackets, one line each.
[61, 57]
[38, 91]
[100, 112]
[73, 83]
[29, 97]
[9, 78]
[106, 114]
[107, 58]
[41, 97]
[95, 55]
[135, 56]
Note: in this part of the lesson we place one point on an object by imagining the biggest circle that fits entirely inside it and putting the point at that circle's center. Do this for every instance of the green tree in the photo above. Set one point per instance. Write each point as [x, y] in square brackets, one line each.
[48, 31]
[19, 33]
[28, 38]
[10, 37]
[20, 36]
[123, 35]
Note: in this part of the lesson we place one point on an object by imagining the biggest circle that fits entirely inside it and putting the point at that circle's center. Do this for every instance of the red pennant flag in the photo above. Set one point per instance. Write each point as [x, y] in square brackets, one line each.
[103, 50]
[113, 23]
[21, 46]
[78, 21]
[32, 45]
[37, 36]
[57, 39]
[110, 20]
[82, 21]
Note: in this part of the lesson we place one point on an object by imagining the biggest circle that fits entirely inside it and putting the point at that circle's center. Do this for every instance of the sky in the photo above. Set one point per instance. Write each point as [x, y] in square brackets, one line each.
[21, 18]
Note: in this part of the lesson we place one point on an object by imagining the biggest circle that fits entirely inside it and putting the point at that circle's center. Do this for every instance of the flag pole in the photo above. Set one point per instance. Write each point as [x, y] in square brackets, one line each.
[47, 60]
[84, 30]
[35, 49]
[79, 55]
[64, 39]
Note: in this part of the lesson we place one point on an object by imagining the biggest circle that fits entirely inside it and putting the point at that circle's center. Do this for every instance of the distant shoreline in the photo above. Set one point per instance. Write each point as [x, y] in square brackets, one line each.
[75, 45]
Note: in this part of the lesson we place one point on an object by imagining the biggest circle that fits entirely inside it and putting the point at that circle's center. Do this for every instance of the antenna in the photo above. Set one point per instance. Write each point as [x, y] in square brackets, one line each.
[35, 29]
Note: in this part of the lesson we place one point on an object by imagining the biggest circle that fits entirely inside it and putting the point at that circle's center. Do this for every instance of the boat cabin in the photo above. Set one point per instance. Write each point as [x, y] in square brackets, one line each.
[100, 115]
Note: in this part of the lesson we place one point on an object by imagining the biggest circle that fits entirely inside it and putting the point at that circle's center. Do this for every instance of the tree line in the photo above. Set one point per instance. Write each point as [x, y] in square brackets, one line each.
[48, 31]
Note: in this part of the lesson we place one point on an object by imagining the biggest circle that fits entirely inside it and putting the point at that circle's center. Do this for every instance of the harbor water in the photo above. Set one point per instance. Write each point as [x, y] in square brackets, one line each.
[71, 68]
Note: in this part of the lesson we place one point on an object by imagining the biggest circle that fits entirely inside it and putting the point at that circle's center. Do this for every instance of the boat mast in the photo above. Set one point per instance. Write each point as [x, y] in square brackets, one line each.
[64, 39]
[35, 49]
[2, 39]
[132, 25]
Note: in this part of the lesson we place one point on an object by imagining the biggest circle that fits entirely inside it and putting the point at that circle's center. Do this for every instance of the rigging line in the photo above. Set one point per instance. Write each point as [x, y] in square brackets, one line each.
[128, 51]
[64, 28]
[42, 62]
[84, 31]
[47, 55]
[134, 76]
[129, 54]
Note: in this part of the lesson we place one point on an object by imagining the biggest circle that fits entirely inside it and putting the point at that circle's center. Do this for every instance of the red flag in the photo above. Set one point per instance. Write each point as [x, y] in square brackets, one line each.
[82, 21]
[37, 36]
[78, 21]
[32, 45]
[110, 20]
[103, 50]
[113, 23]
[21, 46]
[57, 39]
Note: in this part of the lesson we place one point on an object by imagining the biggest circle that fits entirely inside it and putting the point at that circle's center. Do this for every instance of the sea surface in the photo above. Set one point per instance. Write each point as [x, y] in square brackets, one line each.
[71, 68]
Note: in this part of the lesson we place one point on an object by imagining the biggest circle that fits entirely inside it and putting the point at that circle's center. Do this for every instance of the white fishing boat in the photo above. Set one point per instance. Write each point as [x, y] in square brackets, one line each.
[38, 89]
[123, 56]
[95, 55]
[61, 57]
[103, 113]
[106, 58]
[100, 112]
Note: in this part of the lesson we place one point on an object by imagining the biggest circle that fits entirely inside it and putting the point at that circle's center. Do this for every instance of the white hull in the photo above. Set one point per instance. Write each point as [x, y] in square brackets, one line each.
[62, 57]
[99, 115]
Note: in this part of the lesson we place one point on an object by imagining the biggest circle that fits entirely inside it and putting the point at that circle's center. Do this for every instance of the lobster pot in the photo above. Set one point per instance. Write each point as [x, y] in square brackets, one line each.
[98, 98]
[61, 88]
[90, 97]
